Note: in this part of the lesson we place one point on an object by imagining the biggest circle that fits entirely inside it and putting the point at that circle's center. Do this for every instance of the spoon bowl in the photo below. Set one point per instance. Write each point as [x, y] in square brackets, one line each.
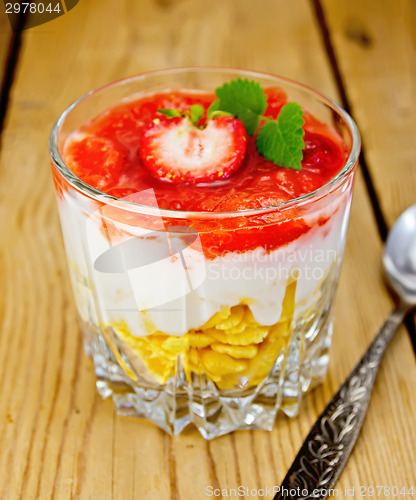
[399, 257]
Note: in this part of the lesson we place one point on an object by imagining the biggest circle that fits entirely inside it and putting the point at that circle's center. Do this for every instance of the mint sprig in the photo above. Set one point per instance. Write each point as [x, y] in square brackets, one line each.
[245, 99]
[281, 141]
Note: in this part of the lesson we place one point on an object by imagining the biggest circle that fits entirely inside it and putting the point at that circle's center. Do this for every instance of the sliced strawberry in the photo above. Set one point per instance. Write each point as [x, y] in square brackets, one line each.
[177, 151]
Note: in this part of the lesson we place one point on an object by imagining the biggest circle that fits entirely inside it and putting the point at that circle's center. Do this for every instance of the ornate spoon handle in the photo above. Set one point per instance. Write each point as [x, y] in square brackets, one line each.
[325, 451]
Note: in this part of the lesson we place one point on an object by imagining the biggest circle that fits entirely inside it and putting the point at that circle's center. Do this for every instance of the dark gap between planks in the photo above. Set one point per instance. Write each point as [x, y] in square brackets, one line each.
[10, 68]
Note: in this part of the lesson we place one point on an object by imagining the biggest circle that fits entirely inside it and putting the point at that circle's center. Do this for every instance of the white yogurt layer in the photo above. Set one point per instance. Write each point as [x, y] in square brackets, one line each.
[151, 290]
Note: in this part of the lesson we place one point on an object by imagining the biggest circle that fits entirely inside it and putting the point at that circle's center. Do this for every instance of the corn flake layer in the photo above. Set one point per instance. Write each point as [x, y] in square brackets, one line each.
[231, 348]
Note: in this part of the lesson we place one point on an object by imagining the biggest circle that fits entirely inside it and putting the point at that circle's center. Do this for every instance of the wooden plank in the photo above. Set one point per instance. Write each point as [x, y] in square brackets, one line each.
[375, 44]
[59, 439]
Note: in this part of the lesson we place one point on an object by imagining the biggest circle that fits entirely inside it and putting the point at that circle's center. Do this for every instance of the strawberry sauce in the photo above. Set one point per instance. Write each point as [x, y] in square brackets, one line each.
[106, 154]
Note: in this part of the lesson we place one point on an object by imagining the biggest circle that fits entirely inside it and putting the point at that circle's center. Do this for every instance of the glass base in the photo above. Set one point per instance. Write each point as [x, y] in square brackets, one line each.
[173, 406]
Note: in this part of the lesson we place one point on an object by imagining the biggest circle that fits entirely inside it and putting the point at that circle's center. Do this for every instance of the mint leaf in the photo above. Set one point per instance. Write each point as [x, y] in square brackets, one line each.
[281, 141]
[170, 113]
[245, 99]
[196, 113]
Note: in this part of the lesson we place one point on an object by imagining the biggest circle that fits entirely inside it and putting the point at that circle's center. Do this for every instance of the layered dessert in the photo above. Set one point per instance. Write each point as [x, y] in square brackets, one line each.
[207, 251]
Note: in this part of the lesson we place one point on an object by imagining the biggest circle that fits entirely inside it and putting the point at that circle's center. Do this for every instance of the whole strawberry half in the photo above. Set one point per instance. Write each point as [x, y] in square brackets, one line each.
[177, 151]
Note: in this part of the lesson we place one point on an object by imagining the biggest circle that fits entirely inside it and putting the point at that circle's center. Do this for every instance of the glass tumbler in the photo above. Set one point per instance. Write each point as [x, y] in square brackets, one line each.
[182, 327]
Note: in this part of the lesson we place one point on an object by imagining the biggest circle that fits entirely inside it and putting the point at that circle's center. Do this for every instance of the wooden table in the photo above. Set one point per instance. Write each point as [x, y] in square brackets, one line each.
[58, 438]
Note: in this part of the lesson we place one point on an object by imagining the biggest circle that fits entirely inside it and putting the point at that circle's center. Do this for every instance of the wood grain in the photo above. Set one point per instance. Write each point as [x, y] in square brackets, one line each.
[59, 439]
[375, 43]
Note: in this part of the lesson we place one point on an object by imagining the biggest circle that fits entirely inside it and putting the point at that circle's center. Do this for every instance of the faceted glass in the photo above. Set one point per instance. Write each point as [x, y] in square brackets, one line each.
[180, 331]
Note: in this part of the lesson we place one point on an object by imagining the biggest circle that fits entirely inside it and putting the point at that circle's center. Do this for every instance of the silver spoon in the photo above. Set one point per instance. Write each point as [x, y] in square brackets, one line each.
[327, 448]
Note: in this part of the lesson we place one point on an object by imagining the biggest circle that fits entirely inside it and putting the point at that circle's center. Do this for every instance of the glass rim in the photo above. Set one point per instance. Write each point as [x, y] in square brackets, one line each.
[100, 196]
